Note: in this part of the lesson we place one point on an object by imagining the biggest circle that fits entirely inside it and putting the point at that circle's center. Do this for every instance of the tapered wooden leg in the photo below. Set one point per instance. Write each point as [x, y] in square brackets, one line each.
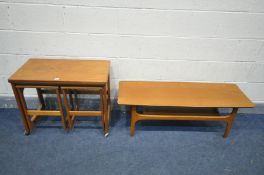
[102, 110]
[41, 98]
[24, 106]
[109, 93]
[61, 110]
[106, 121]
[66, 103]
[19, 105]
[133, 120]
[229, 122]
[109, 106]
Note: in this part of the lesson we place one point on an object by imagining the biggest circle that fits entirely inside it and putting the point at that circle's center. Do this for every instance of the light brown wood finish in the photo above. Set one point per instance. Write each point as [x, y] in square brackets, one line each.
[24, 106]
[182, 94]
[105, 108]
[62, 71]
[40, 112]
[179, 94]
[86, 113]
[45, 73]
[73, 113]
[61, 109]
[66, 104]
[102, 108]
[34, 117]
[22, 112]
[43, 113]
[109, 93]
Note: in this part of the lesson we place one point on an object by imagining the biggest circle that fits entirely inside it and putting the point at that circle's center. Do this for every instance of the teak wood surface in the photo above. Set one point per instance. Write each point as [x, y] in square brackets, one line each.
[62, 71]
[182, 94]
[50, 75]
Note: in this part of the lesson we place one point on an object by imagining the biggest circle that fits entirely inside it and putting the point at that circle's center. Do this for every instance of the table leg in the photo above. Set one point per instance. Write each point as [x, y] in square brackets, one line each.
[66, 103]
[109, 92]
[229, 122]
[23, 116]
[102, 109]
[24, 106]
[109, 106]
[105, 104]
[61, 110]
[133, 120]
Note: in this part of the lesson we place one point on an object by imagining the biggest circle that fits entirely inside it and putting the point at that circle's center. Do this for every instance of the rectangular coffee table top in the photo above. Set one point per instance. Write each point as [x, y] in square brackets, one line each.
[182, 94]
[62, 71]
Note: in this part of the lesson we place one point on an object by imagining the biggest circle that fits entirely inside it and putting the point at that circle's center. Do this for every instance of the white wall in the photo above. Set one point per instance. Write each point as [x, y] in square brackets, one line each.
[171, 40]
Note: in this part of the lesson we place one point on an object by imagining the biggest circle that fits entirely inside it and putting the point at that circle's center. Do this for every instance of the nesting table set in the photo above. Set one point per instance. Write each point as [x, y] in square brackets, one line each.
[62, 77]
[68, 78]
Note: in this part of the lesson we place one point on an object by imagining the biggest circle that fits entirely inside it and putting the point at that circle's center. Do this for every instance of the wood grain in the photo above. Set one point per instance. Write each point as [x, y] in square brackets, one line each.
[62, 71]
[56, 75]
[182, 94]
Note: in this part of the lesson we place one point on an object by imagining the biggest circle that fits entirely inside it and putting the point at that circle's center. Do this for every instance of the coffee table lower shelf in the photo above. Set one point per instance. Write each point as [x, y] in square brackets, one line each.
[204, 114]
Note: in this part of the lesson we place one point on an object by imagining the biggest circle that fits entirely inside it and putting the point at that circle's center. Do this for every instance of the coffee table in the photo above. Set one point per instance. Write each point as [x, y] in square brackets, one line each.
[192, 101]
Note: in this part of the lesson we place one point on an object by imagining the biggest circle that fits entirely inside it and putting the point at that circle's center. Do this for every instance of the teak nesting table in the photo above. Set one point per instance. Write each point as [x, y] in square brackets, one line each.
[202, 98]
[62, 77]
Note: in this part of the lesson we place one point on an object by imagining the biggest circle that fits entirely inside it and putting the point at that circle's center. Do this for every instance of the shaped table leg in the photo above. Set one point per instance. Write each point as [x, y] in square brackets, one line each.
[22, 112]
[106, 114]
[133, 120]
[229, 122]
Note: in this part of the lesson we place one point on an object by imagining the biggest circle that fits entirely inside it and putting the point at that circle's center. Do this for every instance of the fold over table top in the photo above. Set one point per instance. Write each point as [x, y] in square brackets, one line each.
[182, 94]
[62, 71]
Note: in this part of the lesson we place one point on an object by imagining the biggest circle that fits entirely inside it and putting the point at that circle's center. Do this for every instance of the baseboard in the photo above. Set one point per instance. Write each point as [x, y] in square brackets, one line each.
[93, 104]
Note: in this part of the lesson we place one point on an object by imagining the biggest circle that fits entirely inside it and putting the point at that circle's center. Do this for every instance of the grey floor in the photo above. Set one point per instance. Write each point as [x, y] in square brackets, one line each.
[157, 148]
